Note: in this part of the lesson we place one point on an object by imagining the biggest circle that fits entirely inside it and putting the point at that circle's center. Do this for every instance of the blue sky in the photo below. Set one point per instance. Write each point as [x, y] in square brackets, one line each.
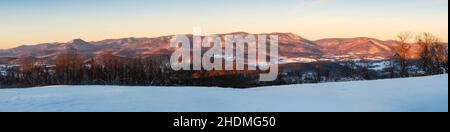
[38, 21]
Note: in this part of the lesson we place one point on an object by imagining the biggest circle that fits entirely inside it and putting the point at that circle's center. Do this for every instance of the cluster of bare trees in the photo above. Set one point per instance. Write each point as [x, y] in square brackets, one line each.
[432, 54]
[69, 68]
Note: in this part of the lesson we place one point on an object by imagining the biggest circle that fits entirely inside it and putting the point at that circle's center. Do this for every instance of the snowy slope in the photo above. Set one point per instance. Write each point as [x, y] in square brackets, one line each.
[413, 94]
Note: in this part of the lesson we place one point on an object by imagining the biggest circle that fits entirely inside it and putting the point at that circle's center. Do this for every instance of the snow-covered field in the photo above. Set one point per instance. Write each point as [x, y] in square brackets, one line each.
[413, 94]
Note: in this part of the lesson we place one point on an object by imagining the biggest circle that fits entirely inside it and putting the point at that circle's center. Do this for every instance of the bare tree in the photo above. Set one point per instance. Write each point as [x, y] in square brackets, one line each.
[403, 51]
[440, 58]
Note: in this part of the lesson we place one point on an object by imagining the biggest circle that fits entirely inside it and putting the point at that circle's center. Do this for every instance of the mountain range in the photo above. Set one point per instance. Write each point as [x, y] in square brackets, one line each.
[291, 46]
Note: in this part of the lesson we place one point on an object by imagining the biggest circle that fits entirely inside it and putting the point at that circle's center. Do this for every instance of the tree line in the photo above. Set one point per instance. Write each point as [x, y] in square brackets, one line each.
[72, 68]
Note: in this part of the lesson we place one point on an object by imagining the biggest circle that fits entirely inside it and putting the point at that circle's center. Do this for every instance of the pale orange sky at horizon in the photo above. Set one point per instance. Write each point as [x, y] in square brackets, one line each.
[29, 22]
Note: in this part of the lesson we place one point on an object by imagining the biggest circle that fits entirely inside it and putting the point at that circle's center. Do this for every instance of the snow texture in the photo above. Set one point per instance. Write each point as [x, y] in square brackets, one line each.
[422, 94]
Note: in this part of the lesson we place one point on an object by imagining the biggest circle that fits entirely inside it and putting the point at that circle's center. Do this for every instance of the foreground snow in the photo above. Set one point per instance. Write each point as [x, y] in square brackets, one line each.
[413, 94]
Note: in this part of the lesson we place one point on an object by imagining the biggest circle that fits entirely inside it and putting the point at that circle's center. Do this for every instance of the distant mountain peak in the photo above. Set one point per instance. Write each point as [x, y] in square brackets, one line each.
[77, 42]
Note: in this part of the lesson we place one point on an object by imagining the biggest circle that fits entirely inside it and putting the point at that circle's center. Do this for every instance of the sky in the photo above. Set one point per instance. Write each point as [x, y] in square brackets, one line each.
[27, 22]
